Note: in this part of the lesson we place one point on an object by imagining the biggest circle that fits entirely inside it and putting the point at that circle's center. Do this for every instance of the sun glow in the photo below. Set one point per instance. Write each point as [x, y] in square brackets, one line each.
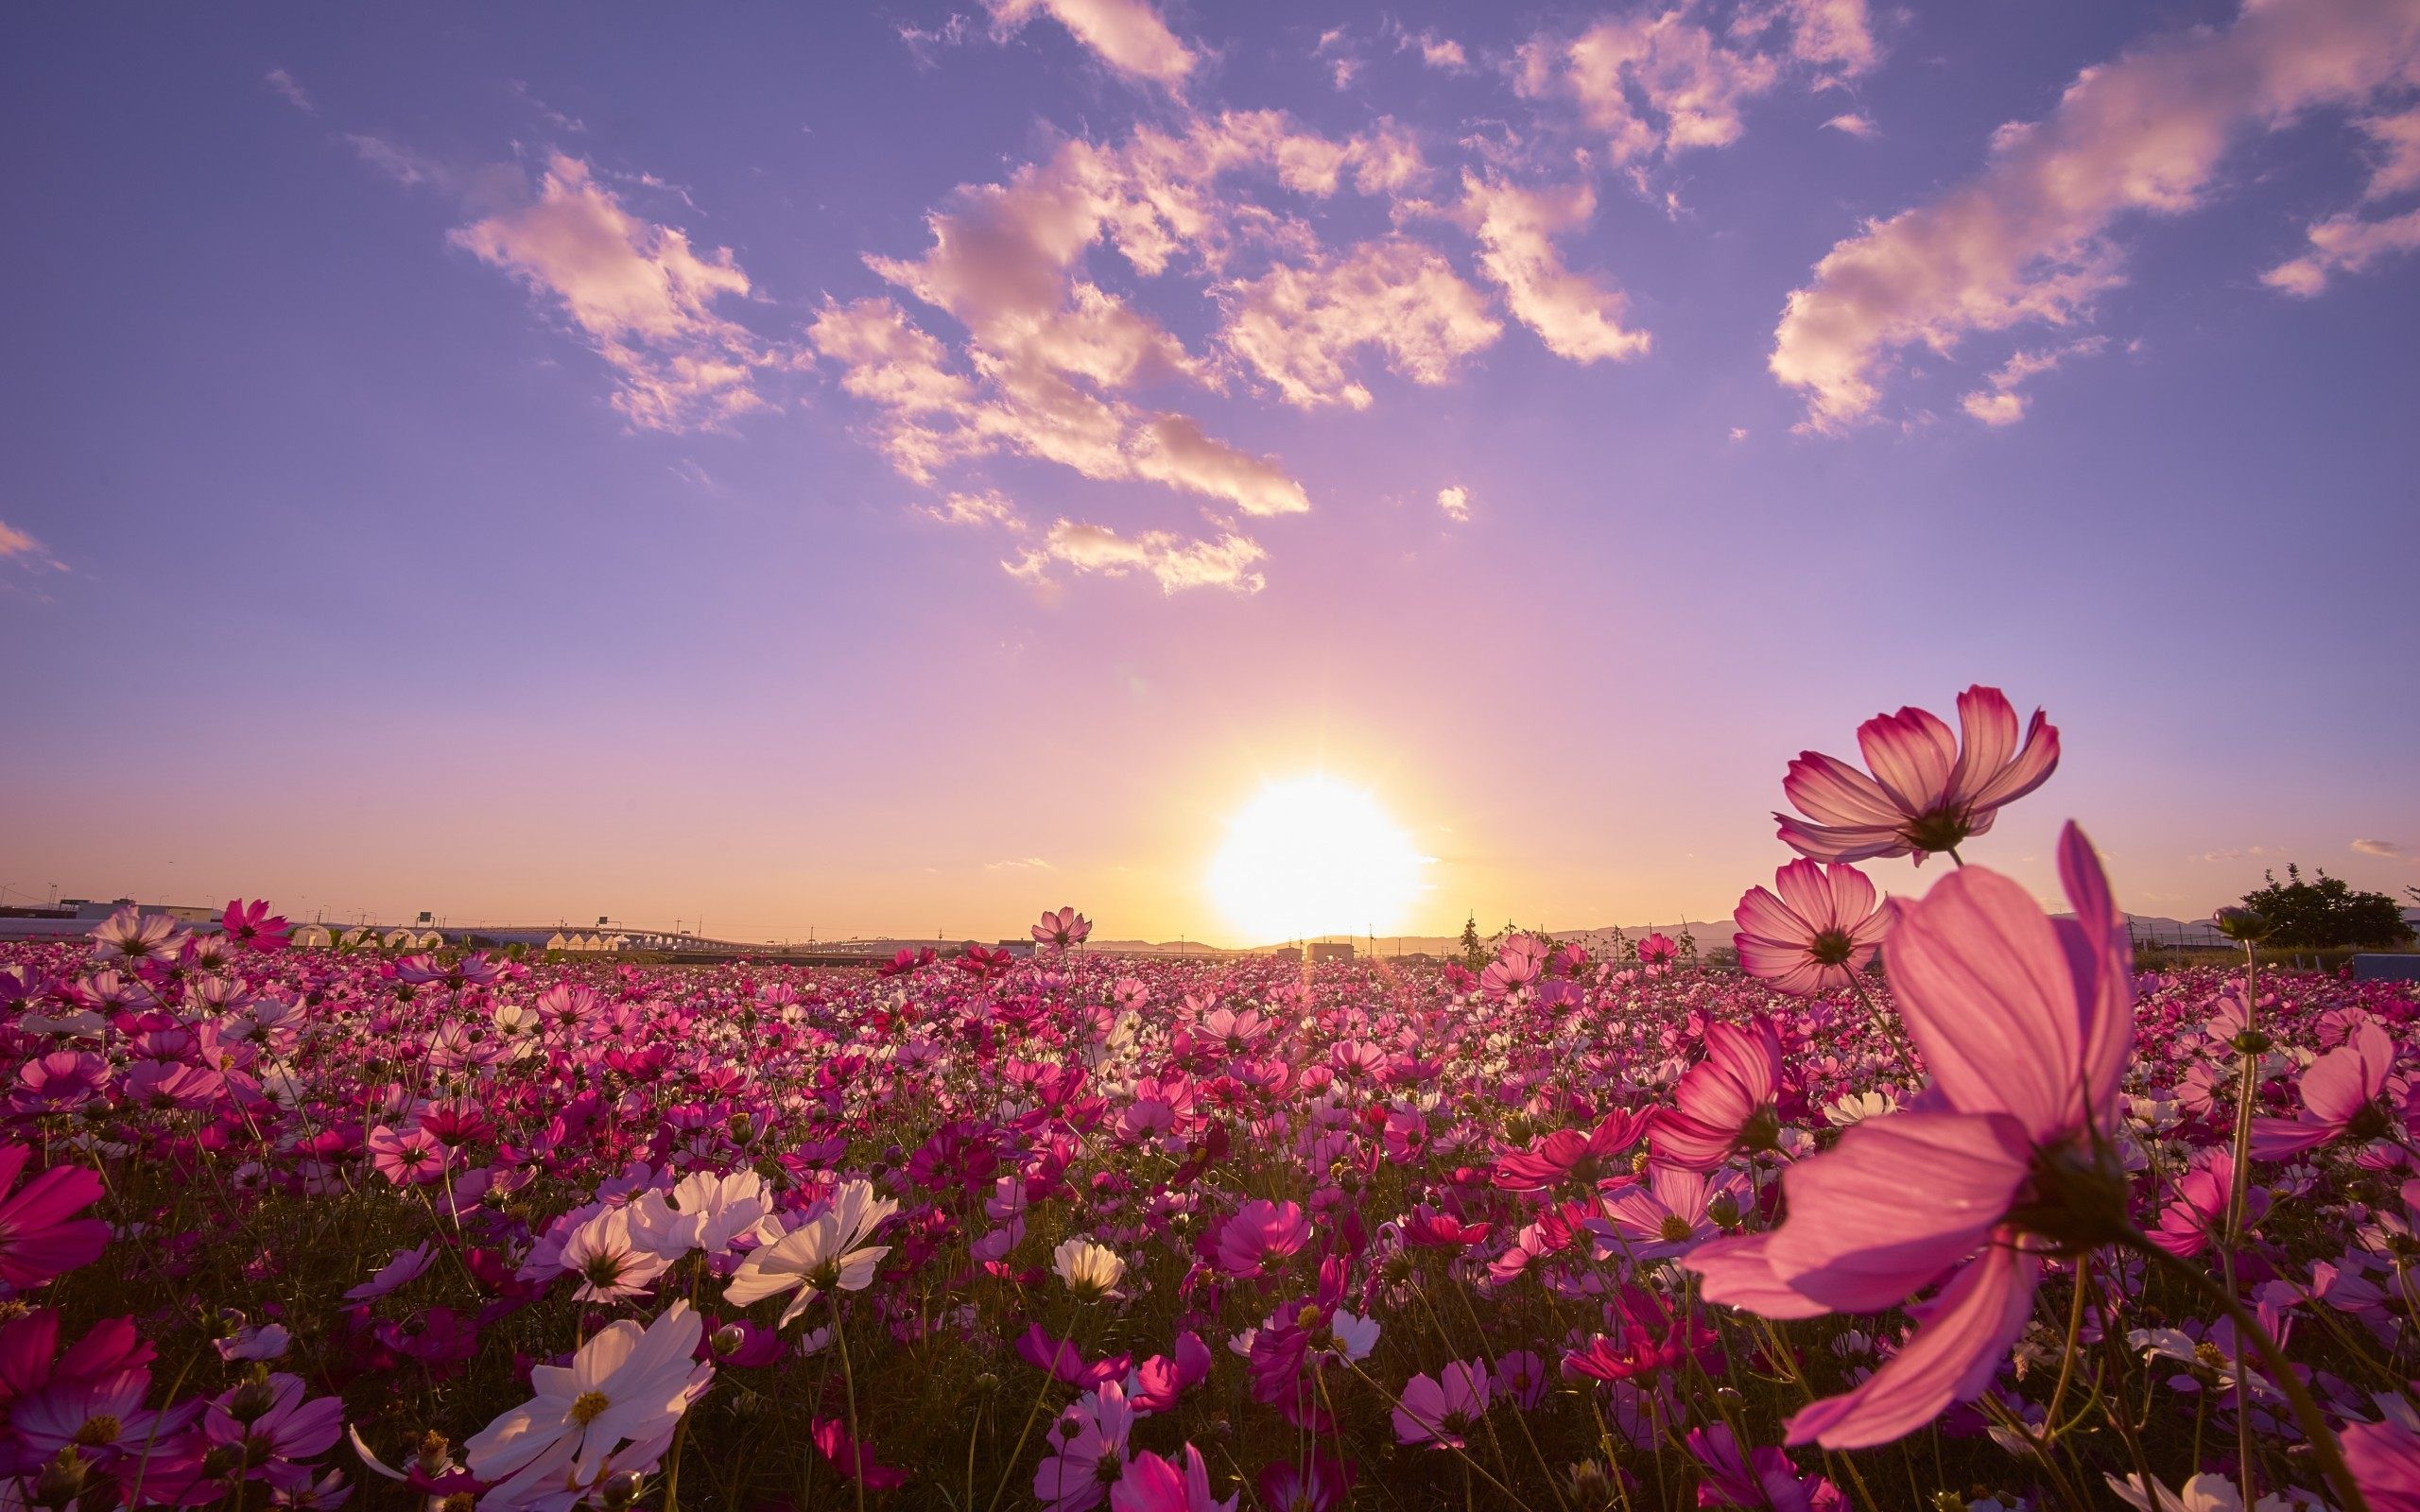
[1310, 856]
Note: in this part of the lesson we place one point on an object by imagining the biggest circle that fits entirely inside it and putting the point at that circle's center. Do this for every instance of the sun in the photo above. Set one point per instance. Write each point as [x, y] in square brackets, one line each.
[1312, 855]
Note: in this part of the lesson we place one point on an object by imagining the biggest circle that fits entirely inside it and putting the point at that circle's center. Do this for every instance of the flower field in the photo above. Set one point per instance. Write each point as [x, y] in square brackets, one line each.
[1929, 1205]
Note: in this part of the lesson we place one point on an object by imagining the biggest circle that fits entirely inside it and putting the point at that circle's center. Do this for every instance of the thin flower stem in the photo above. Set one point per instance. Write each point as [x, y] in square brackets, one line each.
[856, 1468]
[1396, 1402]
[2324, 1447]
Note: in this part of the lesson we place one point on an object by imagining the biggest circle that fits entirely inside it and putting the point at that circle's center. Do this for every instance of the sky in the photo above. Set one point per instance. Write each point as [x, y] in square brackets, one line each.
[894, 469]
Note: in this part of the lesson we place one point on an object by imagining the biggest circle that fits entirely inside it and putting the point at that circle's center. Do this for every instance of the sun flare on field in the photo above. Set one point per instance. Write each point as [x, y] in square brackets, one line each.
[1312, 855]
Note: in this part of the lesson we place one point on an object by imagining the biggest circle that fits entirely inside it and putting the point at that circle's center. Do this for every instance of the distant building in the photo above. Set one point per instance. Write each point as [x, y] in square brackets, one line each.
[1287, 953]
[1022, 949]
[1331, 951]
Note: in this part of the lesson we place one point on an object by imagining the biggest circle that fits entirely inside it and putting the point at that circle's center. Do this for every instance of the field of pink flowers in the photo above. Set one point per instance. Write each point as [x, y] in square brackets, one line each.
[1933, 1205]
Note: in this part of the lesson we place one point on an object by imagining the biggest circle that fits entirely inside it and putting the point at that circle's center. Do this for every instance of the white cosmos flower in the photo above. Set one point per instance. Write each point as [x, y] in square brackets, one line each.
[825, 1253]
[703, 1211]
[1089, 1269]
[627, 1385]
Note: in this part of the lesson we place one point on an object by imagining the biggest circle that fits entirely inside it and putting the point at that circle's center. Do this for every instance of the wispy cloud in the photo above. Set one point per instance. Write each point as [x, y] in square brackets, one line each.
[1176, 564]
[21, 549]
[293, 93]
[2000, 402]
[2029, 239]
[1019, 864]
[1127, 35]
[1455, 501]
[2378, 848]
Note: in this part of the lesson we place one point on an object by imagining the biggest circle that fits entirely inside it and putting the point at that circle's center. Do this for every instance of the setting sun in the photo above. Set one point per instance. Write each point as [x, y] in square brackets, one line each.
[1312, 855]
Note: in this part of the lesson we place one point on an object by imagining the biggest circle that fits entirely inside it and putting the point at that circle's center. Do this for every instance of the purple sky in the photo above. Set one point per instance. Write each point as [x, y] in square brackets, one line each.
[897, 470]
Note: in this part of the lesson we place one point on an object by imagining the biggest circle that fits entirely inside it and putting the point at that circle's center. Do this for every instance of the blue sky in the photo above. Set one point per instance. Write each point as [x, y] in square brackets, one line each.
[456, 458]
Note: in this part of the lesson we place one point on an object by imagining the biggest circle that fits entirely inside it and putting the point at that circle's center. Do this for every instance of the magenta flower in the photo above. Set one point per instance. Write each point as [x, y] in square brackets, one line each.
[2384, 1458]
[1762, 1478]
[409, 1157]
[271, 1427]
[2026, 1022]
[1151, 1483]
[1445, 1409]
[1725, 1103]
[1656, 951]
[254, 926]
[2186, 1224]
[1927, 793]
[1320, 1485]
[1088, 1451]
[1259, 1232]
[39, 1234]
[1064, 928]
[2344, 1094]
[1816, 935]
[1568, 1155]
[405, 1266]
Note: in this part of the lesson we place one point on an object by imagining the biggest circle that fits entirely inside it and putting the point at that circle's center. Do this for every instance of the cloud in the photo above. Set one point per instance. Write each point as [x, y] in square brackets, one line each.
[1335, 48]
[1850, 123]
[1019, 864]
[933, 415]
[22, 548]
[2027, 239]
[293, 93]
[1652, 83]
[1126, 34]
[1575, 317]
[2378, 848]
[985, 507]
[646, 300]
[2000, 403]
[1300, 326]
[1833, 35]
[1455, 501]
[2239, 852]
[1738, 433]
[2344, 244]
[1175, 565]
[1439, 52]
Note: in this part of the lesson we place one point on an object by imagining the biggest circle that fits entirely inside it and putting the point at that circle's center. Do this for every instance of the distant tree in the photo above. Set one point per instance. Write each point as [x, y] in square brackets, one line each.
[2316, 915]
[1688, 944]
[1474, 952]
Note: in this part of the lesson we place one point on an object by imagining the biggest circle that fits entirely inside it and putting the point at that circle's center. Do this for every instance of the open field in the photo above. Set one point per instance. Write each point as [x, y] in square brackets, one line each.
[989, 1234]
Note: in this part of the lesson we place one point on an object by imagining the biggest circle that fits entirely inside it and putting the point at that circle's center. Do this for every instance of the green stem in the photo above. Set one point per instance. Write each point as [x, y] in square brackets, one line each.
[2324, 1447]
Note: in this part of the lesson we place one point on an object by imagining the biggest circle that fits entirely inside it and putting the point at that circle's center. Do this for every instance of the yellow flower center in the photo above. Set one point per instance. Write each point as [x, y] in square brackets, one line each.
[588, 1407]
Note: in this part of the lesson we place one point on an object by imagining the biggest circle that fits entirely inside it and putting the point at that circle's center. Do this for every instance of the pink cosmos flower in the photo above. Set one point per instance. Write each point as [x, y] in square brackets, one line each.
[1568, 1155]
[1321, 1486]
[2026, 1022]
[851, 1458]
[2186, 1224]
[1762, 1478]
[2343, 1094]
[254, 926]
[1666, 1216]
[1151, 1483]
[1926, 793]
[1064, 928]
[39, 1234]
[1725, 1103]
[1259, 1232]
[1656, 951]
[1519, 962]
[406, 1265]
[411, 1156]
[271, 1426]
[1443, 1410]
[138, 938]
[1088, 1451]
[1820, 931]
[2384, 1458]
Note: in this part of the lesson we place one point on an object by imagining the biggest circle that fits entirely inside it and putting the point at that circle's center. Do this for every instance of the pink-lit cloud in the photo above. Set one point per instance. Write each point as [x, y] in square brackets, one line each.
[1299, 327]
[21, 548]
[287, 88]
[2028, 239]
[1127, 35]
[645, 300]
[1574, 315]
[1454, 501]
[2001, 400]
[1175, 563]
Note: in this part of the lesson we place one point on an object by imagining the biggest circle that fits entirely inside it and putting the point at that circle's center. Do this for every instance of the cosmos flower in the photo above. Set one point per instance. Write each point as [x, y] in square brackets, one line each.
[1064, 928]
[1089, 1269]
[627, 1386]
[1814, 932]
[1444, 1409]
[610, 1258]
[1088, 1451]
[824, 1253]
[2027, 1023]
[39, 1234]
[2344, 1094]
[1724, 1103]
[1151, 1483]
[1929, 792]
[138, 938]
[252, 926]
[1260, 1232]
